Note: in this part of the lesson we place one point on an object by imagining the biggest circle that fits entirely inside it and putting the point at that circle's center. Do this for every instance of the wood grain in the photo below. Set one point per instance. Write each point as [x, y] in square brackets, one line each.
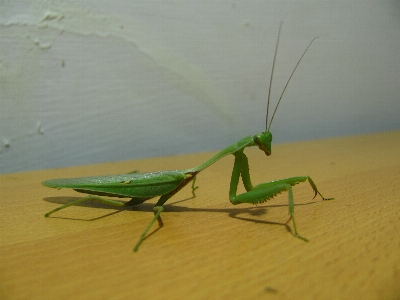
[207, 247]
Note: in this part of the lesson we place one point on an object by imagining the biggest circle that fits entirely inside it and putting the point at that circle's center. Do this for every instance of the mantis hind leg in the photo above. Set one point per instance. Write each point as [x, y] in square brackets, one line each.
[157, 212]
[88, 198]
[158, 209]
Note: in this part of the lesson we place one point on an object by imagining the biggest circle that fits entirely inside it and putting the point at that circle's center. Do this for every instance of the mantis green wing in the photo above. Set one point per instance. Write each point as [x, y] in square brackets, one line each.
[139, 185]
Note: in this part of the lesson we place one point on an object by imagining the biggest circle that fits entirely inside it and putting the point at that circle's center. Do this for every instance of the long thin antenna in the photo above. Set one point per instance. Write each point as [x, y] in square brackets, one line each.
[280, 98]
[272, 74]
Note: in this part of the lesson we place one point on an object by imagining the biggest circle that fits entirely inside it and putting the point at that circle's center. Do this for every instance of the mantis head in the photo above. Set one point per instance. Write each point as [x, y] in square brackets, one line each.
[263, 141]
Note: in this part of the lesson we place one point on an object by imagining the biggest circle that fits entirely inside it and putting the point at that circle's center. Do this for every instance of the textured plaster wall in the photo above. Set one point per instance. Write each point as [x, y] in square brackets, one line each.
[90, 81]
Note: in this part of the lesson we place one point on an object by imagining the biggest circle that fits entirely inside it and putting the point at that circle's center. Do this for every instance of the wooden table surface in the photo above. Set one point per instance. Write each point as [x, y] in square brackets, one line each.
[208, 248]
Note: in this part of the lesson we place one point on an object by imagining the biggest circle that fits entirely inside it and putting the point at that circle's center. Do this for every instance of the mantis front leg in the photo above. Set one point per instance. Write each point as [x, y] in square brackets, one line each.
[264, 191]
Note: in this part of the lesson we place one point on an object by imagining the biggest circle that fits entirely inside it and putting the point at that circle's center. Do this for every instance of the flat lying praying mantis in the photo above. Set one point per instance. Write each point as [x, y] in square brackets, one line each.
[143, 186]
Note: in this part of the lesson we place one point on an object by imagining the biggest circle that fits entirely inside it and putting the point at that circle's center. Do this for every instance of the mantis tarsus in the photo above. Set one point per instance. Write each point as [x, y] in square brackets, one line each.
[143, 186]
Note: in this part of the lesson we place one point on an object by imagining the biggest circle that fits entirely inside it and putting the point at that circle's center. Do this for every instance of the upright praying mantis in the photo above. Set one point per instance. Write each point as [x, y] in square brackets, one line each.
[144, 186]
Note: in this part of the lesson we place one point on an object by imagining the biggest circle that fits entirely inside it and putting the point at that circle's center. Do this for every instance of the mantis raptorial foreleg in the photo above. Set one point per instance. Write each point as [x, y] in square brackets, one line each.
[264, 191]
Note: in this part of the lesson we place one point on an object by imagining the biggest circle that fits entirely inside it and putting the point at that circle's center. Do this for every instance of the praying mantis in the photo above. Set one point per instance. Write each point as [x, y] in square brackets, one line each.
[141, 187]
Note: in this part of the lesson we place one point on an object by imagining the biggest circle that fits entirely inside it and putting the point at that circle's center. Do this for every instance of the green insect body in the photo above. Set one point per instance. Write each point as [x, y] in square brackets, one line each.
[143, 186]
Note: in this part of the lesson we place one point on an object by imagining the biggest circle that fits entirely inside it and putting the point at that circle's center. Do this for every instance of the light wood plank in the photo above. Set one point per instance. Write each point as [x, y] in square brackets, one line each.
[207, 247]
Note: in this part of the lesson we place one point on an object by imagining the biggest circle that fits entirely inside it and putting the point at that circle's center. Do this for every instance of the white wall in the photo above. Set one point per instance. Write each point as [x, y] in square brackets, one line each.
[91, 81]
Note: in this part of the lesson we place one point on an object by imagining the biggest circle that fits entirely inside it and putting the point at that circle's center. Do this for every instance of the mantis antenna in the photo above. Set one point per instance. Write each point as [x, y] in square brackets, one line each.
[272, 74]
